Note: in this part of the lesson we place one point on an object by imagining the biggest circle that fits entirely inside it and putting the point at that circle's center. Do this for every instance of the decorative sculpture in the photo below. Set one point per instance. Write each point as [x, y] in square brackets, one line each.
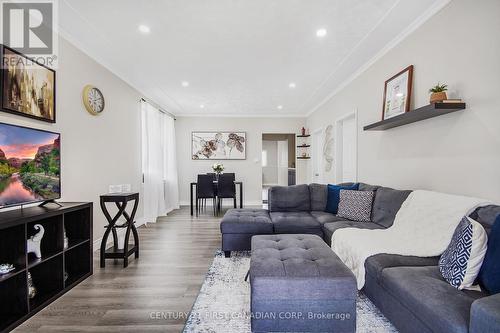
[31, 287]
[328, 147]
[66, 240]
[35, 241]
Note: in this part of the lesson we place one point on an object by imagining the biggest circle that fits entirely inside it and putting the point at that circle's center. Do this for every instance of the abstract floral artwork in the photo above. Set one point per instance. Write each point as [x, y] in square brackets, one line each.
[218, 145]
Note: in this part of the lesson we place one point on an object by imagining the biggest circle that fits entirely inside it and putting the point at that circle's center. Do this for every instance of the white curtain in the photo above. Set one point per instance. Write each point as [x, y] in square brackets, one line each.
[161, 190]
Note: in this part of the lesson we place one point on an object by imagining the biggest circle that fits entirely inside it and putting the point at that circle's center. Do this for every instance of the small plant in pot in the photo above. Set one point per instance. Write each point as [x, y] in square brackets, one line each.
[438, 93]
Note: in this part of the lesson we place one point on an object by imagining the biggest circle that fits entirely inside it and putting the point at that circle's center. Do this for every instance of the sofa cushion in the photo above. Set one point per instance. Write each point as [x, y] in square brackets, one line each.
[368, 187]
[374, 265]
[295, 223]
[486, 216]
[386, 204]
[325, 217]
[294, 198]
[319, 195]
[489, 276]
[333, 198]
[331, 227]
[356, 205]
[246, 221]
[422, 291]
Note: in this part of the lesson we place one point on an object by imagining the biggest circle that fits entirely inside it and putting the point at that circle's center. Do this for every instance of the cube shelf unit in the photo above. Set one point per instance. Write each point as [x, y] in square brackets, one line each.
[57, 271]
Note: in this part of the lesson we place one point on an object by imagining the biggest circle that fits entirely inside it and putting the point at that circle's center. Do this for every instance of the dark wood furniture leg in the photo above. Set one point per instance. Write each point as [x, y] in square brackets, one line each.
[227, 254]
[110, 227]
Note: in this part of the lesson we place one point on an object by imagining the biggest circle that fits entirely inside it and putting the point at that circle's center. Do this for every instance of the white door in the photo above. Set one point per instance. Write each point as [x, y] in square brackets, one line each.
[282, 164]
[317, 156]
[347, 150]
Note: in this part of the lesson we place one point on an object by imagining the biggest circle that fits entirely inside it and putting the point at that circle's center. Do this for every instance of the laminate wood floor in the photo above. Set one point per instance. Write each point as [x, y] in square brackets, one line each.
[153, 294]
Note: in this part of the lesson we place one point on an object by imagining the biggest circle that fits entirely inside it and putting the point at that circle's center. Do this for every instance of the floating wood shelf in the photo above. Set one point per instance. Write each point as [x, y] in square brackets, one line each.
[303, 158]
[304, 146]
[303, 136]
[425, 112]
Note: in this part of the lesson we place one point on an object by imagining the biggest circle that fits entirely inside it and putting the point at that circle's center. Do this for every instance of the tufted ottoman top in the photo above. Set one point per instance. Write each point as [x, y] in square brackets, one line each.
[304, 266]
[245, 220]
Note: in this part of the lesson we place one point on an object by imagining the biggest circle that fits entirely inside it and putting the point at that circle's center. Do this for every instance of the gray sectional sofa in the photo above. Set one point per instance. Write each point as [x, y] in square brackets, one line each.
[410, 291]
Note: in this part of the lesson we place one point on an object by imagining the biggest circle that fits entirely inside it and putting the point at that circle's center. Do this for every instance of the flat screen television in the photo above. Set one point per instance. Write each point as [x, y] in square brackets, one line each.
[30, 164]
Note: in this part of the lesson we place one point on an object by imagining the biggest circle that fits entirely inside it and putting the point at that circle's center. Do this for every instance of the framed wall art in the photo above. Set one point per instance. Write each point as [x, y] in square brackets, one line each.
[397, 93]
[28, 88]
[218, 145]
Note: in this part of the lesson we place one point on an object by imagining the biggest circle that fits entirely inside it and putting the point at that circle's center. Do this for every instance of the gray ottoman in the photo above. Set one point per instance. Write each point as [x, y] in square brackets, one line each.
[239, 225]
[298, 284]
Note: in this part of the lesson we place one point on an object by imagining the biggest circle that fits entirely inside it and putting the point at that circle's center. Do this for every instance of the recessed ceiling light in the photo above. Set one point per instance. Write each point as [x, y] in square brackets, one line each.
[321, 32]
[144, 29]
[202, 106]
[292, 85]
[185, 84]
[280, 107]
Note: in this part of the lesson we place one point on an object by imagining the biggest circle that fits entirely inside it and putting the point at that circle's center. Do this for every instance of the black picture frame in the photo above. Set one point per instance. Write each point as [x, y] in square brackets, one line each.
[3, 72]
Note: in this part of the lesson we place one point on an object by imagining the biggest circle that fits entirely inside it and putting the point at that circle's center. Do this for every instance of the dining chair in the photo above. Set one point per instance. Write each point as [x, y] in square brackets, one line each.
[205, 190]
[226, 189]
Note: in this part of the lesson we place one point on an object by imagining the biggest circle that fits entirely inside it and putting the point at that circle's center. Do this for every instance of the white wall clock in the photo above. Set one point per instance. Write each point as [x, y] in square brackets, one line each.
[93, 99]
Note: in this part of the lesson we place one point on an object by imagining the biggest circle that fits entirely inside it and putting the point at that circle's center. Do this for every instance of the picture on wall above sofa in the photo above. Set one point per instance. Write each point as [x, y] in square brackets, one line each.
[28, 88]
[218, 145]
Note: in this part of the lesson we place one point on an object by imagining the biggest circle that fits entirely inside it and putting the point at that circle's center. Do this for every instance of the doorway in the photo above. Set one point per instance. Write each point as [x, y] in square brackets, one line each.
[346, 147]
[317, 156]
[278, 161]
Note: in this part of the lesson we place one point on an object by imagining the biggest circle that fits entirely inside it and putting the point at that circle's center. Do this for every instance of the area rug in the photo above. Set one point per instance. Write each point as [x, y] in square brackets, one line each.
[223, 304]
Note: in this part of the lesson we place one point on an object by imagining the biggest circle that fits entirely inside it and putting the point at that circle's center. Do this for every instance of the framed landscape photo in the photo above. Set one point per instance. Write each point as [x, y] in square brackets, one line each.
[397, 93]
[218, 145]
[28, 88]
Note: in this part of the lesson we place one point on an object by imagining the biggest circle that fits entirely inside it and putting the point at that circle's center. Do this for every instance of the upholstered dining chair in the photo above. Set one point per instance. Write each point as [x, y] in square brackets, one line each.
[205, 190]
[226, 189]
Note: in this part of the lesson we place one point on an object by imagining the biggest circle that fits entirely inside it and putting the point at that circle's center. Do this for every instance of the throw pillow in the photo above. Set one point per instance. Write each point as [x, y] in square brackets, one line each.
[489, 275]
[461, 261]
[333, 198]
[356, 205]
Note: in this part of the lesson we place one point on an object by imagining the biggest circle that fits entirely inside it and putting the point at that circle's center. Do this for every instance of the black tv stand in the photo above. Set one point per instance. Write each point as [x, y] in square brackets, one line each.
[46, 202]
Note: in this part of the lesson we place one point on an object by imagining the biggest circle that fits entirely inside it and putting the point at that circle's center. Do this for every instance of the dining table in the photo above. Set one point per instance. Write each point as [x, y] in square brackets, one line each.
[193, 192]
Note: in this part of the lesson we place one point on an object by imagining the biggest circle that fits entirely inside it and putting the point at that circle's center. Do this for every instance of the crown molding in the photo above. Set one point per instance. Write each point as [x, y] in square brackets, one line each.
[389, 46]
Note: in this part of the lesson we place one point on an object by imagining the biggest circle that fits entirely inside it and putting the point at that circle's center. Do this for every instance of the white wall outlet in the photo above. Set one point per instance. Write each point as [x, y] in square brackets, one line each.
[115, 188]
[127, 188]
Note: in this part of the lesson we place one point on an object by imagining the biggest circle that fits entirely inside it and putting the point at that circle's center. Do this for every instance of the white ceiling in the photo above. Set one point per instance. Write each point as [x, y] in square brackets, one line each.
[238, 56]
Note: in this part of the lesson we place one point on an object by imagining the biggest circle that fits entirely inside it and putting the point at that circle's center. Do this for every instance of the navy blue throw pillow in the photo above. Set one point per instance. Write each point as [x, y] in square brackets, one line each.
[332, 202]
[489, 275]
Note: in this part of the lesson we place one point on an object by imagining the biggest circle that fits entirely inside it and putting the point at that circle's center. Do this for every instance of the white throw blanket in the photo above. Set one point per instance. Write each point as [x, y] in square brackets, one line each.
[423, 227]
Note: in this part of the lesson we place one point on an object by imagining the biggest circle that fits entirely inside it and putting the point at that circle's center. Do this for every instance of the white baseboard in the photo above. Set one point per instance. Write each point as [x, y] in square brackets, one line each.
[120, 232]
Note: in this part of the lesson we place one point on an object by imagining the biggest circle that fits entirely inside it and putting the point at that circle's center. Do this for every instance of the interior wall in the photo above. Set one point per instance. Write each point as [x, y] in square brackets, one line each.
[456, 153]
[248, 171]
[96, 151]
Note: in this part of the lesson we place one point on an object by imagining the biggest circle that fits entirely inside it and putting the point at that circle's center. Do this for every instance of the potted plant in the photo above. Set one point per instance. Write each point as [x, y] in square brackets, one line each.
[218, 168]
[438, 93]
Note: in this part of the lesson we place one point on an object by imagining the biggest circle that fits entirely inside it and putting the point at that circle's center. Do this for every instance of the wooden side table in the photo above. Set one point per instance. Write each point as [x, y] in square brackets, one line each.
[120, 200]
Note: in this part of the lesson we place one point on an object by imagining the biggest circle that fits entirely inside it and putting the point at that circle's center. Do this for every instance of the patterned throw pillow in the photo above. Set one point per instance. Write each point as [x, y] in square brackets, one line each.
[461, 261]
[356, 205]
